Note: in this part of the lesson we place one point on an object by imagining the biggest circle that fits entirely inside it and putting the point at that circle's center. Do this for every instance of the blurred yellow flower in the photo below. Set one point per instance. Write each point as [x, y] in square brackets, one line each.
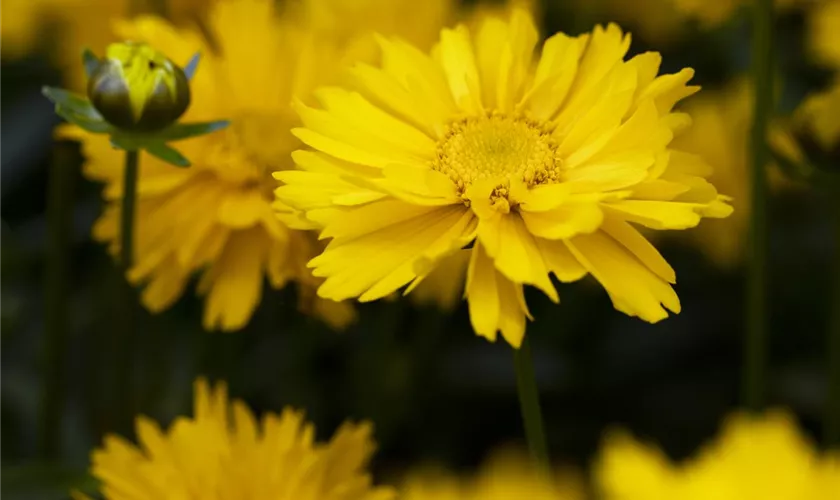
[224, 452]
[754, 457]
[505, 476]
[215, 217]
[823, 23]
[720, 134]
[543, 165]
[661, 20]
[353, 24]
[65, 26]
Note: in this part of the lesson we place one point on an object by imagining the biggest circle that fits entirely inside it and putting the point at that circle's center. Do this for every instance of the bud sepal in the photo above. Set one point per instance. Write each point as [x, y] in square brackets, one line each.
[81, 111]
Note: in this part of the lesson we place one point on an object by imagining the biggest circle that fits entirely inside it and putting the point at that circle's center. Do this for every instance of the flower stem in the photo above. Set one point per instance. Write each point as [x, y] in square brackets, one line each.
[60, 222]
[832, 414]
[755, 349]
[529, 403]
[125, 344]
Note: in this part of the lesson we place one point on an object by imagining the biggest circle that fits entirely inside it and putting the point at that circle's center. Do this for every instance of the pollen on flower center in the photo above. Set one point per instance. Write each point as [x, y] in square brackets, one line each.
[497, 145]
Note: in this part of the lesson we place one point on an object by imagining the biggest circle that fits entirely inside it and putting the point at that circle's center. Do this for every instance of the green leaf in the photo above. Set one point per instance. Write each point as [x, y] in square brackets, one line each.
[90, 61]
[166, 153]
[191, 66]
[181, 131]
[71, 103]
[93, 126]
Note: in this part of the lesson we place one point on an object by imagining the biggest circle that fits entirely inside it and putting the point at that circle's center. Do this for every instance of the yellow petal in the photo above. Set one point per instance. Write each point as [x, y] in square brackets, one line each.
[356, 113]
[377, 262]
[639, 246]
[243, 209]
[419, 74]
[482, 294]
[633, 288]
[385, 90]
[514, 251]
[455, 55]
[560, 261]
[554, 75]
[658, 214]
[564, 221]
[165, 287]
[236, 281]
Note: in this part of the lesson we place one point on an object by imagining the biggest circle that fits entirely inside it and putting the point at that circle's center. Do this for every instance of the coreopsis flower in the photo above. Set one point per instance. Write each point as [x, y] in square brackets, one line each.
[722, 120]
[754, 457]
[223, 451]
[215, 218]
[505, 476]
[542, 166]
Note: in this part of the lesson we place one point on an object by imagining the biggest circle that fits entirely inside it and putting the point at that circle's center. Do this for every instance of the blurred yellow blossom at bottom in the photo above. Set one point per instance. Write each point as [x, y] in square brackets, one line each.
[755, 457]
[507, 475]
[223, 452]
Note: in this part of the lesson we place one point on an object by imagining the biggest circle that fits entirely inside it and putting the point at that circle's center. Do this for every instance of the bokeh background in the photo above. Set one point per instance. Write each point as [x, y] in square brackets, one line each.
[436, 392]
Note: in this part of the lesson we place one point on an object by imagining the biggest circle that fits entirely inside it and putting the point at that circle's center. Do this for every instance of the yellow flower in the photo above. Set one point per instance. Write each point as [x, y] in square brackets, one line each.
[351, 23]
[542, 167]
[662, 20]
[71, 24]
[754, 457]
[720, 134]
[215, 218]
[821, 113]
[224, 452]
[506, 476]
[823, 23]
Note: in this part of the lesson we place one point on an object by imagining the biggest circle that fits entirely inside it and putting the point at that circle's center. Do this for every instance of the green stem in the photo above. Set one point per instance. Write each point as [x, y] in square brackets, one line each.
[60, 223]
[529, 403]
[832, 415]
[755, 349]
[124, 388]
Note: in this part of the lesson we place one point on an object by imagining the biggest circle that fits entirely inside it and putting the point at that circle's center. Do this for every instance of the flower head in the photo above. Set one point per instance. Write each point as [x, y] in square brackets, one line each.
[138, 88]
[541, 165]
[754, 457]
[223, 451]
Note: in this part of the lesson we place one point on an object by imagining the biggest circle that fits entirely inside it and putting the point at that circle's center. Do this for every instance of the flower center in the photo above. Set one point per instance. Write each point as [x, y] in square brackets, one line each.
[497, 146]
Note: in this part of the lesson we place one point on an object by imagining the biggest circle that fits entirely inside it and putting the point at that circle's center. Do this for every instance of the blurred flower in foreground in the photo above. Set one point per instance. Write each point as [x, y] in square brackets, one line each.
[754, 457]
[215, 218]
[720, 134]
[506, 476]
[224, 452]
[542, 167]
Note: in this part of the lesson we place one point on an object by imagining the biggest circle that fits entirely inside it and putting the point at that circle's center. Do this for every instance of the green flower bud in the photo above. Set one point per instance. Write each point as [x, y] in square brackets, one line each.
[137, 88]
